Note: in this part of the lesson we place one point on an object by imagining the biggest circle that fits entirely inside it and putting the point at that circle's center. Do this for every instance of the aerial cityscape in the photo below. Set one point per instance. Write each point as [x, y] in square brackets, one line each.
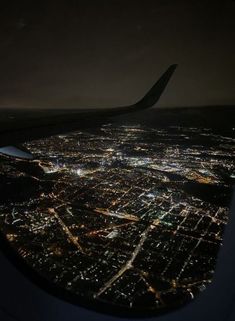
[126, 215]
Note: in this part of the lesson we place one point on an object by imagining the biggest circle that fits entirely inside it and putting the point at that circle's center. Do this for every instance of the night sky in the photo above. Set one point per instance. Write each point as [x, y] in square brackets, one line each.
[108, 53]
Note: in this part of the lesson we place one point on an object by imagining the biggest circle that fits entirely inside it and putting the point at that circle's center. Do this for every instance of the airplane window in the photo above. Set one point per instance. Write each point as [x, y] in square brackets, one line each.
[126, 216]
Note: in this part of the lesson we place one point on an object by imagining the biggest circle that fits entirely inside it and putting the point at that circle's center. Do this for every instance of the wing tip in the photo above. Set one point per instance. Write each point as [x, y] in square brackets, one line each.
[153, 95]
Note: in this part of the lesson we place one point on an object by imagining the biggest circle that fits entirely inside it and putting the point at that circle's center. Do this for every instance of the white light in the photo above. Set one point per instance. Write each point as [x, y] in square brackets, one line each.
[150, 195]
[79, 172]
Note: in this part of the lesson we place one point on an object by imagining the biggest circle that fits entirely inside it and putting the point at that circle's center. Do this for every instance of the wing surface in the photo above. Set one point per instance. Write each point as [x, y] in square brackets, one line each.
[14, 131]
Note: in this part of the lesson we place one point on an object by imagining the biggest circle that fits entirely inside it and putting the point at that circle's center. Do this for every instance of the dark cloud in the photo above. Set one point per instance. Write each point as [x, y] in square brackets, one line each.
[103, 53]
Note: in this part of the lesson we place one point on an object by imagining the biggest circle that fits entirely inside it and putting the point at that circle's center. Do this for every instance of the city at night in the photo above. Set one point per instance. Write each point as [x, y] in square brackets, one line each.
[126, 215]
[117, 160]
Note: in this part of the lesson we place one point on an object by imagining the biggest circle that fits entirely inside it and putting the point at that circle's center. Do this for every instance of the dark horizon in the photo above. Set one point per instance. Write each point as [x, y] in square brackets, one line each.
[59, 54]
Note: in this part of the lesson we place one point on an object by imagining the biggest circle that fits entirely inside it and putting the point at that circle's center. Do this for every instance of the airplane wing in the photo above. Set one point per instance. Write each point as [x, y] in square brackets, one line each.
[14, 131]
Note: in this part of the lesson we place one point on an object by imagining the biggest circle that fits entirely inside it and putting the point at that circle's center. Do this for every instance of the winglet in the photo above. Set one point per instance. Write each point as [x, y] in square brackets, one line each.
[155, 92]
[17, 152]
